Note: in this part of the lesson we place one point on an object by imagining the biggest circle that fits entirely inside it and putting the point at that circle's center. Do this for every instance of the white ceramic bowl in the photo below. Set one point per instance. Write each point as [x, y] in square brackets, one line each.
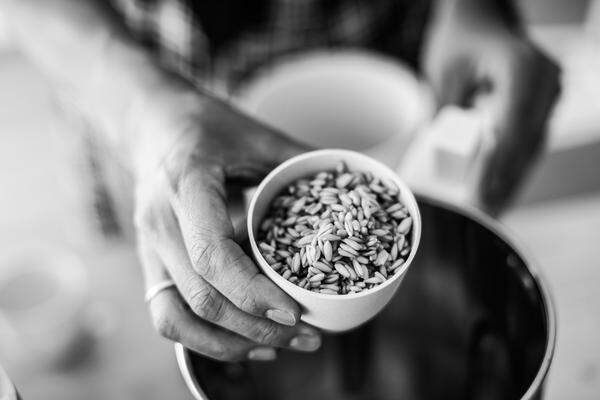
[334, 313]
[314, 97]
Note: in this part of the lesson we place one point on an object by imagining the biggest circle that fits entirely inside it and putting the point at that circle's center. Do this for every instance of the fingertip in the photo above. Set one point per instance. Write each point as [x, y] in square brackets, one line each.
[278, 305]
[282, 317]
[308, 339]
[262, 354]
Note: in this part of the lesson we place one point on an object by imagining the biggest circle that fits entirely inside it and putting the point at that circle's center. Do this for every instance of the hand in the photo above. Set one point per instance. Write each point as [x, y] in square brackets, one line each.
[223, 307]
[480, 61]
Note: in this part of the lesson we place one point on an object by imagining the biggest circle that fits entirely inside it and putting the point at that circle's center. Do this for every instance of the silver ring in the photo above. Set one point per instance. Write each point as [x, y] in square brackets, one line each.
[157, 288]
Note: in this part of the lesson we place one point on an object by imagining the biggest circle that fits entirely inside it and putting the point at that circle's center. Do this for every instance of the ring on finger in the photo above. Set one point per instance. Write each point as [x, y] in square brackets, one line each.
[158, 287]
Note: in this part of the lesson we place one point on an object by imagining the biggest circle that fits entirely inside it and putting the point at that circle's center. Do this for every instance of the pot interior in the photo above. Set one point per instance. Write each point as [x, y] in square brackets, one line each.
[470, 321]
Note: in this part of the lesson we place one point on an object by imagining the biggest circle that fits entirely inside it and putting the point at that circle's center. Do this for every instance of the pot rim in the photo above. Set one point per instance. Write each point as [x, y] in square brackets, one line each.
[502, 232]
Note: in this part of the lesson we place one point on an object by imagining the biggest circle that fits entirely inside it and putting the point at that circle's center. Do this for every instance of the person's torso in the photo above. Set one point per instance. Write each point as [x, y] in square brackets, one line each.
[222, 43]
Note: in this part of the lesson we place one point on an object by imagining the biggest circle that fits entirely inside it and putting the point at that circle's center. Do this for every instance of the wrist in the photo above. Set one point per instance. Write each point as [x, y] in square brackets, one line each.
[144, 107]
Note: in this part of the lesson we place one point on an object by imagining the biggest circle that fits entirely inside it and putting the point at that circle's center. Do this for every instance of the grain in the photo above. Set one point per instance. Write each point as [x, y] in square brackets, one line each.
[327, 250]
[305, 240]
[346, 254]
[348, 249]
[342, 270]
[329, 291]
[405, 225]
[321, 266]
[397, 264]
[380, 276]
[337, 232]
[296, 263]
[358, 268]
[266, 247]
[353, 243]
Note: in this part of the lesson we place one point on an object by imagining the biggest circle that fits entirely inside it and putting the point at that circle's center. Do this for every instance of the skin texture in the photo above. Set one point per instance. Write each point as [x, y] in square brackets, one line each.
[184, 147]
[185, 232]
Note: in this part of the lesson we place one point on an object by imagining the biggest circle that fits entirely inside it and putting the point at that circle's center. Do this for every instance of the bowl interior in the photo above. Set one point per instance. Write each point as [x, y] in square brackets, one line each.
[311, 163]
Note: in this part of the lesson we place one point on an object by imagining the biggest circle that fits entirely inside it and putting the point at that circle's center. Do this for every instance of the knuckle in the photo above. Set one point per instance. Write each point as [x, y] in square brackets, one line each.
[165, 326]
[266, 333]
[204, 257]
[208, 304]
[247, 302]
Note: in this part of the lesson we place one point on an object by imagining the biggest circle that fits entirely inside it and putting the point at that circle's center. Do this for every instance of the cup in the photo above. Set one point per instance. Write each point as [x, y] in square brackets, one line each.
[341, 99]
[334, 313]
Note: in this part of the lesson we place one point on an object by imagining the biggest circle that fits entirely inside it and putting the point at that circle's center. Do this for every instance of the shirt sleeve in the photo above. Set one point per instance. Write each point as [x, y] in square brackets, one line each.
[169, 30]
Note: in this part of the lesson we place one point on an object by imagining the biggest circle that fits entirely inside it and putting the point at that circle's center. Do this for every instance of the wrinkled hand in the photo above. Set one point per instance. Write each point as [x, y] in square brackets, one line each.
[223, 307]
[490, 66]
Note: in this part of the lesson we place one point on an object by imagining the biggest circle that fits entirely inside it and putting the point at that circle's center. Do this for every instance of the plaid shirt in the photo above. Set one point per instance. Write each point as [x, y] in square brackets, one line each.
[220, 43]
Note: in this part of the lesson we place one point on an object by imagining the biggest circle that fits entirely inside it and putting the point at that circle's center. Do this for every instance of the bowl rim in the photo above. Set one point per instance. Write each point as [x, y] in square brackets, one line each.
[407, 194]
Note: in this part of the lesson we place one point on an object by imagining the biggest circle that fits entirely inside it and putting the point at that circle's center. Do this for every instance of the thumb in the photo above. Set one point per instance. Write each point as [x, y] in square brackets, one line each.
[275, 146]
[268, 149]
[253, 147]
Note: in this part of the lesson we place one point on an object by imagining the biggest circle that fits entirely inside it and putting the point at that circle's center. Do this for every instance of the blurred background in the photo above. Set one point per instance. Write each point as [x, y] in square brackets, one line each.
[83, 331]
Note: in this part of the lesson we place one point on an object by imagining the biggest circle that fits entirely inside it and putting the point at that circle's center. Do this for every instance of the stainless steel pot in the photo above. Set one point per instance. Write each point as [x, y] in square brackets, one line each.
[473, 320]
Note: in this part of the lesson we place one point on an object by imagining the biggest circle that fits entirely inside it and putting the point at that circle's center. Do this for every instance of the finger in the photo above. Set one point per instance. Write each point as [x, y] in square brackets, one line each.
[153, 270]
[240, 231]
[205, 301]
[173, 321]
[199, 205]
[524, 94]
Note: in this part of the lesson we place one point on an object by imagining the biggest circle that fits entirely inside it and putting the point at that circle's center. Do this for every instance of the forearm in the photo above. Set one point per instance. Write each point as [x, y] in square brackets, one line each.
[91, 59]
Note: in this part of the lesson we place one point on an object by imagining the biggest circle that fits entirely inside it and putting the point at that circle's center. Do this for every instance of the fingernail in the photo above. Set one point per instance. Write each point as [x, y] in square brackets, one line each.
[281, 317]
[306, 342]
[262, 354]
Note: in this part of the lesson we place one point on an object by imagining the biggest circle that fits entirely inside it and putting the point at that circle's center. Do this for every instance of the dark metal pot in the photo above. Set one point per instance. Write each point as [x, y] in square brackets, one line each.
[472, 320]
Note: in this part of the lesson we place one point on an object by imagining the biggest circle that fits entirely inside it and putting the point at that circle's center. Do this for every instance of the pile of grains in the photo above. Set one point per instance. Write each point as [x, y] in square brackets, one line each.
[337, 232]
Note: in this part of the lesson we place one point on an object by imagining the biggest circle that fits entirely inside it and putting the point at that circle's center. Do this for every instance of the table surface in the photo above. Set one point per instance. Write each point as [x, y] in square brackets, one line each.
[44, 198]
